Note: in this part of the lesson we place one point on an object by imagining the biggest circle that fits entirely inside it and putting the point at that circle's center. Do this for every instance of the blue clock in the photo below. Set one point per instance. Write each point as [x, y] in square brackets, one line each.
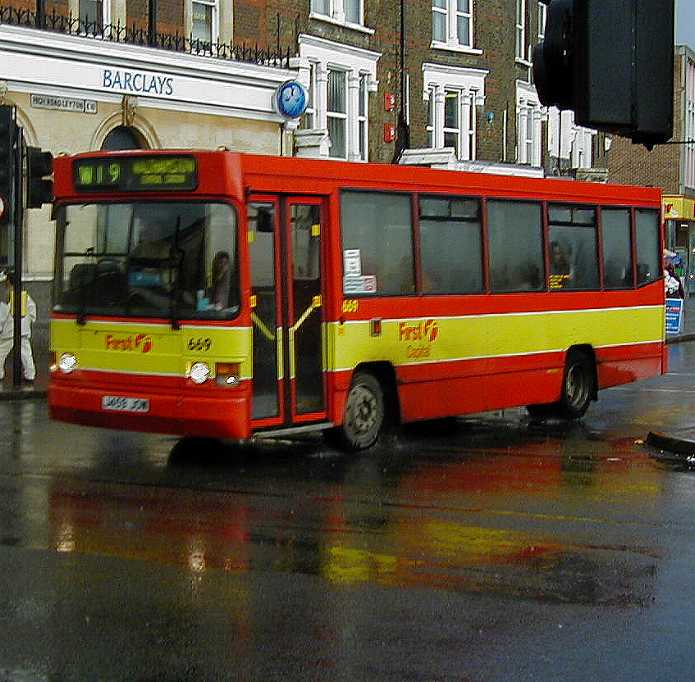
[292, 99]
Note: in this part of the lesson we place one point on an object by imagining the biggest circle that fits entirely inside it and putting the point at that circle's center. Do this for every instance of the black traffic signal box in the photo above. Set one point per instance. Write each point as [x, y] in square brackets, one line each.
[8, 162]
[39, 182]
[611, 62]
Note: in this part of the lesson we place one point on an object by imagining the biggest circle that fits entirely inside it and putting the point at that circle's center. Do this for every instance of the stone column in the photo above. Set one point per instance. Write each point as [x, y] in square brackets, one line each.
[467, 112]
[522, 154]
[439, 100]
[353, 110]
[321, 97]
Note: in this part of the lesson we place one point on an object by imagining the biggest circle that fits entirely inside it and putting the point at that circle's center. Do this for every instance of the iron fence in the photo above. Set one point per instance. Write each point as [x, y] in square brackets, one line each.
[144, 37]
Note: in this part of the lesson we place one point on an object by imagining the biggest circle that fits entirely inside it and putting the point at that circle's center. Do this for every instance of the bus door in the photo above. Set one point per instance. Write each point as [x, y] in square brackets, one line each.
[287, 310]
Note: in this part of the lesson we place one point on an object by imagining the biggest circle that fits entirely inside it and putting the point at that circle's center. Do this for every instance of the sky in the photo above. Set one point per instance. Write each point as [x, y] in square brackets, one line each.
[685, 23]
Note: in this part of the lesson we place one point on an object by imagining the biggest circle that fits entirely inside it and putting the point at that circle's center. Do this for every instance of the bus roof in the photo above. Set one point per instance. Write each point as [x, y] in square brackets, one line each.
[234, 174]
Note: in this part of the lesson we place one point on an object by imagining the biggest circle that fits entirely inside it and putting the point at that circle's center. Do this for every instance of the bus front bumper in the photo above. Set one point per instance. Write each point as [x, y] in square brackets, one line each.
[216, 413]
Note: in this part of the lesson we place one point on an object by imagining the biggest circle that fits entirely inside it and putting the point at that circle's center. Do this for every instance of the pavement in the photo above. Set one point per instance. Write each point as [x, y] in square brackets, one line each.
[37, 389]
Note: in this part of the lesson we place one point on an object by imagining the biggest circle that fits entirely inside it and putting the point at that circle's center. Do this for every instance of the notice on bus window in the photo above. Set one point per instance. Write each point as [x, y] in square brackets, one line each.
[352, 263]
[364, 284]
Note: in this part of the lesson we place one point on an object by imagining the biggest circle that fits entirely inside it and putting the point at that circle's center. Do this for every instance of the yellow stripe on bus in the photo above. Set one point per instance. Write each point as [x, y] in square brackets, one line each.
[152, 349]
[419, 340]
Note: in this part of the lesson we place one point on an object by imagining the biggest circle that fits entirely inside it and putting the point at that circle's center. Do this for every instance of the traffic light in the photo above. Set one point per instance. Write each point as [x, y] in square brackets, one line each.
[611, 62]
[39, 184]
[8, 138]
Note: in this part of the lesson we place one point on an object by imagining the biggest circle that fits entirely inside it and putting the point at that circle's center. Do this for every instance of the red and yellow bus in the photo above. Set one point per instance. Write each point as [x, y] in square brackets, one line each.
[210, 293]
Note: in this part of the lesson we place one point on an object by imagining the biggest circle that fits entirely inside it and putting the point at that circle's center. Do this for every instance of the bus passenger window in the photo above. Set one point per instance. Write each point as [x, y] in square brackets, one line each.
[451, 246]
[573, 253]
[516, 246]
[648, 256]
[617, 249]
[377, 244]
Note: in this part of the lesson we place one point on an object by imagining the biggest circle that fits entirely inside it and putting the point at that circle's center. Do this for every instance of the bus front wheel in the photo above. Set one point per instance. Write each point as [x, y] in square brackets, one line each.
[364, 413]
[578, 388]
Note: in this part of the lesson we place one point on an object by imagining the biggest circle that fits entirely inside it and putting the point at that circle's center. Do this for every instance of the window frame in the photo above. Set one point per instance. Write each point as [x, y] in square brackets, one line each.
[542, 204]
[467, 126]
[338, 115]
[414, 240]
[602, 255]
[659, 246]
[596, 208]
[482, 233]
[337, 14]
[520, 49]
[105, 14]
[484, 221]
[214, 6]
[542, 20]
[451, 41]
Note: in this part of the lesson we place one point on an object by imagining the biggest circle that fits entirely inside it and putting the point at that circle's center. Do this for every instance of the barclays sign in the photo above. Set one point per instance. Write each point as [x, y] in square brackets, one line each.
[138, 82]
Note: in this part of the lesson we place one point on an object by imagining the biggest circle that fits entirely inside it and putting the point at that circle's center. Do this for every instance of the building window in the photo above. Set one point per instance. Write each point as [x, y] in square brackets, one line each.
[342, 11]
[321, 7]
[362, 117]
[337, 113]
[521, 29]
[452, 23]
[204, 22]
[94, 14]
[341, 79]
[542, 17]
[528, 125]
[121, 138]
[456, 120]
[353, 11]
[452, 120]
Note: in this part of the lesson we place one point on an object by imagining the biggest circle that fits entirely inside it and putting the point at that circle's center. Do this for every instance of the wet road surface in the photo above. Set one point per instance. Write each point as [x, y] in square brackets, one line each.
[490, 549]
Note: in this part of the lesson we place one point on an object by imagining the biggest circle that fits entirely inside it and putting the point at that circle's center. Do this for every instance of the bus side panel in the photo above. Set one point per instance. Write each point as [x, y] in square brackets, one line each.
[443, 398]
[626, 364]
[525, 380]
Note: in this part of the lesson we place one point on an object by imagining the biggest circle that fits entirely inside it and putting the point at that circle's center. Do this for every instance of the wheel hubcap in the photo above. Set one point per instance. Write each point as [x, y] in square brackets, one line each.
[576, 386]
[363, 410]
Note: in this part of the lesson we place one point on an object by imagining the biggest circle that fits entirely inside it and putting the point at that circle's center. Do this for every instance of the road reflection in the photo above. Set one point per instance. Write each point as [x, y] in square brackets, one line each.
[493, 507]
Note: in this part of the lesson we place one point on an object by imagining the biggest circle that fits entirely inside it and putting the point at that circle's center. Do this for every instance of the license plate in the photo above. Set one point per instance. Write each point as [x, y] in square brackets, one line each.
[117, 403]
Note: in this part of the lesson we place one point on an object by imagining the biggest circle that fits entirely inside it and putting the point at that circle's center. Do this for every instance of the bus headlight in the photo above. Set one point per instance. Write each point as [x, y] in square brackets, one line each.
[200, 371]
[227, 373]
[67, 363]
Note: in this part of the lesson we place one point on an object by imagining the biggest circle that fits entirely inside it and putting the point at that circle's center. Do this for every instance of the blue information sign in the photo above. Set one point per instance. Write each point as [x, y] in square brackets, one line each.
[674, 315]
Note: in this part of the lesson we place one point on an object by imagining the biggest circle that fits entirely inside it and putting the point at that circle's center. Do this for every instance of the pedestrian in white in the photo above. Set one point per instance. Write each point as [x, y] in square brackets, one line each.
[7, 328]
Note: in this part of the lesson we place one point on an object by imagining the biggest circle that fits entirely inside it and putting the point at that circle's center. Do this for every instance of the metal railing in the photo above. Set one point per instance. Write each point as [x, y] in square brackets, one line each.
[144, 37]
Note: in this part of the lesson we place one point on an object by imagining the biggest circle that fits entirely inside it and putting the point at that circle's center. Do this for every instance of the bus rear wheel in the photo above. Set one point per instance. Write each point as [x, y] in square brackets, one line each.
[364, 415]
[578, 388]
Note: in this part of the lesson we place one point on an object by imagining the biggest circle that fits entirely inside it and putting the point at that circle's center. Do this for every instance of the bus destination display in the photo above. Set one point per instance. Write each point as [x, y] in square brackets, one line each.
[141, 174]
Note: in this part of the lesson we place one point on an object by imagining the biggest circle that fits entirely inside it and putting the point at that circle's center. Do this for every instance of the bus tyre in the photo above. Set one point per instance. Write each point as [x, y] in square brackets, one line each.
[364, 413]
[578, 388]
